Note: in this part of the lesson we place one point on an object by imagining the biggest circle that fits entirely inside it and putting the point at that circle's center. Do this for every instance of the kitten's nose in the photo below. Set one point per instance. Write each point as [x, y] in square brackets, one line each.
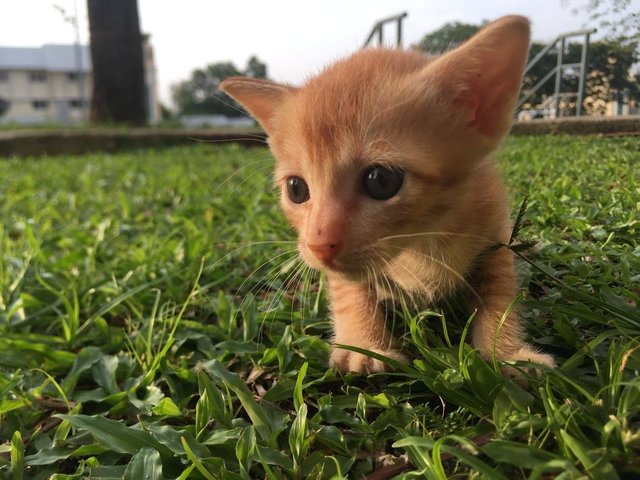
[325, 252]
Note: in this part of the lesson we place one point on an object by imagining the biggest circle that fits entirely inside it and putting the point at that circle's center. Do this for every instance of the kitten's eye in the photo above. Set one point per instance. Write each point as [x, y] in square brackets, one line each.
[382, 183]
[297, 190]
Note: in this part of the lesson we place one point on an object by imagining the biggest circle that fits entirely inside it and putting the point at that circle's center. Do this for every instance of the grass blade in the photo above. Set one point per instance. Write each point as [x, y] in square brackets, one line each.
[116, 435]
[256, 413]
[145, 464]
[17, 456]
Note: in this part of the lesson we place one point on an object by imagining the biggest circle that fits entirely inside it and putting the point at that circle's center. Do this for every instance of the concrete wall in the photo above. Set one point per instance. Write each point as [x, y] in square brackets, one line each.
[206, 121]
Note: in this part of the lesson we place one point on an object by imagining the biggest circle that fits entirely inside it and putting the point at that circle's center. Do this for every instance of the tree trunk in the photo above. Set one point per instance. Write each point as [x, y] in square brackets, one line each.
[118, 69]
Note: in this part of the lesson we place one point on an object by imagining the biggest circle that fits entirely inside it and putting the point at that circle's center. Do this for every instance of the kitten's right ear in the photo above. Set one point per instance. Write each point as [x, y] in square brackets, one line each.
[259, 96]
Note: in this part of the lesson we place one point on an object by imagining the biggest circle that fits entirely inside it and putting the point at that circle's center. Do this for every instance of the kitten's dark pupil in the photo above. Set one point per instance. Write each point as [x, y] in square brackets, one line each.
[382, 183]
[297, 190]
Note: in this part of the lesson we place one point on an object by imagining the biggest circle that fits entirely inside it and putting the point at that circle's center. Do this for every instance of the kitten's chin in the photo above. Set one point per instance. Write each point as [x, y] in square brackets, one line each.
[352, 271]
[351, 274]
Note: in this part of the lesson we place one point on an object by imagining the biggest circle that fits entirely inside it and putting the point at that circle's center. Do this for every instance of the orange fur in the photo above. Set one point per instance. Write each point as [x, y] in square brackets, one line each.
[436, 119]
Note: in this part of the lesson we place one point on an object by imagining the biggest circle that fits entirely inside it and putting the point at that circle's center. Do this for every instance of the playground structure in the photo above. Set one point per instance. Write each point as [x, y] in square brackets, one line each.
[377, 32]
[558, 71]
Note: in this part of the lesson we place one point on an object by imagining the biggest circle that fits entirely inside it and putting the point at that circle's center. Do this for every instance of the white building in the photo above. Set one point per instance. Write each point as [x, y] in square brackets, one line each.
[49, 84]
[150, 80]
[53, 84]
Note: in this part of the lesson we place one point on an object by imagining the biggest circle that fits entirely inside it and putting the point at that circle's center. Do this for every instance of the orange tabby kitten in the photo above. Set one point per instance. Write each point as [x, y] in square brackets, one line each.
[385, 168]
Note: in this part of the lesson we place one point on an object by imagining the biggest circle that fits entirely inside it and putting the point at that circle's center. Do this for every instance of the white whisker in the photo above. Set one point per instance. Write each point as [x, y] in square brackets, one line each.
[401, 293]
[211, 95]
[241, 170]
[249, 138]
[269, 286]
[259, 170]
[436, 234]
[263, 283]
[245, 245]
[280, 293]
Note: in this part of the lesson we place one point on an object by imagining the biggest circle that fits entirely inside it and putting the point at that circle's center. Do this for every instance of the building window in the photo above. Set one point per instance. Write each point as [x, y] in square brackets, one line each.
[76, 103]
[4, 76]
[40, 104]
[4, 106]
[72, 76]
[38, 77]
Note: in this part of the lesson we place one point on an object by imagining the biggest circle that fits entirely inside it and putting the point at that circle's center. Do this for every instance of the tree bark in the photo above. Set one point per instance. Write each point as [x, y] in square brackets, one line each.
[118, 68]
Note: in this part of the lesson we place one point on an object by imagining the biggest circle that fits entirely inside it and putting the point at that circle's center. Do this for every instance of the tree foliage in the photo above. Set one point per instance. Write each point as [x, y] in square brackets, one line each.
[447, 37]
[201, 93]
[607, 76]
[618, 19]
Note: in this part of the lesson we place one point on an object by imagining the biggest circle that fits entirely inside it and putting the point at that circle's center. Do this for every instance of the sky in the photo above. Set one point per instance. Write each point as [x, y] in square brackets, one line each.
[295, 38]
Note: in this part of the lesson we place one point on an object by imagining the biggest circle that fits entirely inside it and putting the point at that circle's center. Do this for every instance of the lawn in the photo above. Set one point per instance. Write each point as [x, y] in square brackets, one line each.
[155, 322]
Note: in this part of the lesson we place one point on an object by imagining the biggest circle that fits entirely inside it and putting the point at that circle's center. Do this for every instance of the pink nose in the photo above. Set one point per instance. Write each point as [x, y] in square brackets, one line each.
[325, 252]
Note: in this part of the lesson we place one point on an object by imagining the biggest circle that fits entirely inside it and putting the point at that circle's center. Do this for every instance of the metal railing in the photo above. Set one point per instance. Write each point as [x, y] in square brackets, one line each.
[559, 68]
[378, 30]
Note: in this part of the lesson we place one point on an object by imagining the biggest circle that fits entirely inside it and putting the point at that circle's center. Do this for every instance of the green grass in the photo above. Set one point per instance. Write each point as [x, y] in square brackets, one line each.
[154, 324]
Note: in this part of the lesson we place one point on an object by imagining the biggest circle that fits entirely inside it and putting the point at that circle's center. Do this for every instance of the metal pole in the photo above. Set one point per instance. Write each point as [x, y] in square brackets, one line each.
[78, 50]
[378, 26]
[583, 74]
[73, 20]
[366, 44]
[559, 77]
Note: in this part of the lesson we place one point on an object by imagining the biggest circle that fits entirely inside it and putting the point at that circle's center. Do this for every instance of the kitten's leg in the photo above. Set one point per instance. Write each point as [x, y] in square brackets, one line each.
[359, 322]
[497, 288]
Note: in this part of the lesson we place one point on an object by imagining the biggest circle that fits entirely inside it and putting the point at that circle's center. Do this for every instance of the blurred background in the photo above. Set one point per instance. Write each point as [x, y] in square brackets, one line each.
[145, 62]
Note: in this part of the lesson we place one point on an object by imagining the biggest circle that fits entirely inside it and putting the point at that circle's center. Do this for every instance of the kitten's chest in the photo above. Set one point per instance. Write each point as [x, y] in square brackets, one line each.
[423, 276]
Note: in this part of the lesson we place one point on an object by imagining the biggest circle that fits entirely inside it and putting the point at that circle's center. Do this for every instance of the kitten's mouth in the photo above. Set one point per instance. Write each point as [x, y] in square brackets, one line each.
[352, 264]
[342, 266]
[352, 267]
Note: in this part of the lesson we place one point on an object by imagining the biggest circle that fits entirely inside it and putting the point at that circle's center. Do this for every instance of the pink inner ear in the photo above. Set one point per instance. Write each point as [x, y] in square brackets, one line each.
[489, 67]
[468, 104]
[495, 107]
[260, 97]
[486, 102]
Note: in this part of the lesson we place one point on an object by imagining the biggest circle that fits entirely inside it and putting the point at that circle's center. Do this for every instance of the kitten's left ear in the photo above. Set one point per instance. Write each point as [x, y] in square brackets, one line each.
[260, 97]
[486, 73]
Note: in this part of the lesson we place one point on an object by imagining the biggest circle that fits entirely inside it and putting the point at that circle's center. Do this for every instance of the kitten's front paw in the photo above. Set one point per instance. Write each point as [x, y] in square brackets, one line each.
[348, 361]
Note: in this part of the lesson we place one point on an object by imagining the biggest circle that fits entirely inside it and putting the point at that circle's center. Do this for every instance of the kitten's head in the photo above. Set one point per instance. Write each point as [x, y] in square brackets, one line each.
[375, 145]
